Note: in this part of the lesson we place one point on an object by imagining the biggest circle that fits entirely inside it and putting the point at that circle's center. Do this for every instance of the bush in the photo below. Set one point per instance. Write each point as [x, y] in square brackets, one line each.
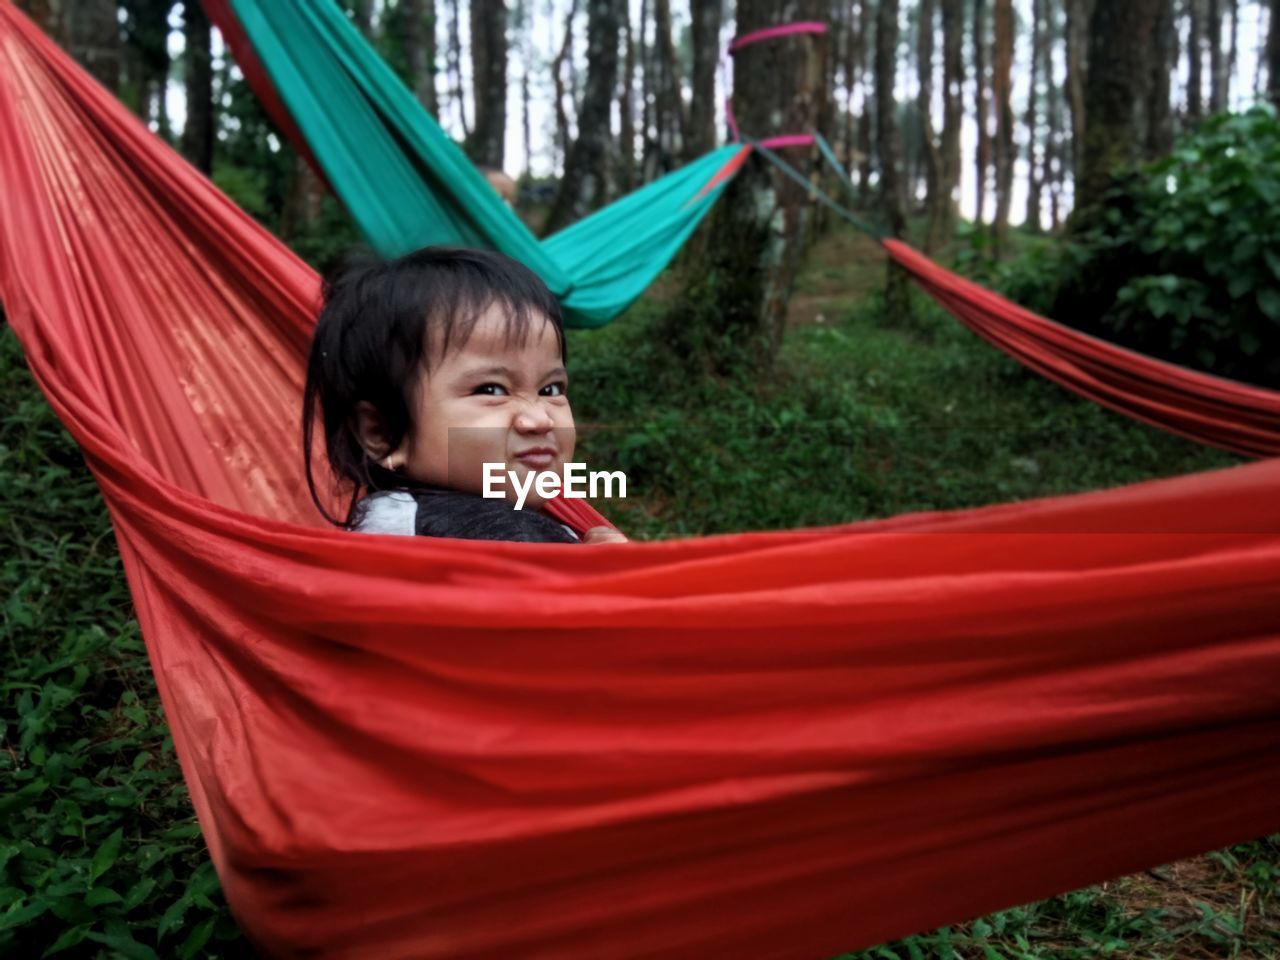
[100, 854]
[1182, 261]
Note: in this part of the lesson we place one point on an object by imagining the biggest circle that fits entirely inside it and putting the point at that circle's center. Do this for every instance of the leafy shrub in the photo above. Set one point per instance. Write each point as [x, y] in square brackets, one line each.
[100, 854]
[1182, 261]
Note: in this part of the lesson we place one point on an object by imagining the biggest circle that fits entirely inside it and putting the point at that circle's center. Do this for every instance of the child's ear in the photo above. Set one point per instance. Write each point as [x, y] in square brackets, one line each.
[371, 431]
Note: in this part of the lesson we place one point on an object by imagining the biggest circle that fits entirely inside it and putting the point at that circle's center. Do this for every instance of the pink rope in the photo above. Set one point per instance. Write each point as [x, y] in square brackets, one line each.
[788, 140]
[771, 33]
[731, 120]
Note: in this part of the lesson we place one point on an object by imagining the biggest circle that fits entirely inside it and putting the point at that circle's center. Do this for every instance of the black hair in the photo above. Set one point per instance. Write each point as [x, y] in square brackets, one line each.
[381, 326]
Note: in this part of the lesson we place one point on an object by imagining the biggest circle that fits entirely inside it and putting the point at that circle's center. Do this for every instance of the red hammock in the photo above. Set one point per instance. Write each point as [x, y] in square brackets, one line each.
[1224, 413]
[771, 744]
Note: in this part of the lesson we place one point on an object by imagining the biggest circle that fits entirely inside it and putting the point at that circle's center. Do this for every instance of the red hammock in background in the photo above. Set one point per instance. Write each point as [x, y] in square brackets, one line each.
[772, 744]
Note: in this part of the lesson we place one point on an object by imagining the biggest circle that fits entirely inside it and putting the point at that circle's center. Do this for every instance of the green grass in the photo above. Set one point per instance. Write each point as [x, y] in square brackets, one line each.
[99, 852]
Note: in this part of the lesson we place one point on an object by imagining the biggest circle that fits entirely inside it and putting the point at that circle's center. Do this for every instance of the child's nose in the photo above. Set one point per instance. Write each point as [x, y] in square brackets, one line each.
[534, 417]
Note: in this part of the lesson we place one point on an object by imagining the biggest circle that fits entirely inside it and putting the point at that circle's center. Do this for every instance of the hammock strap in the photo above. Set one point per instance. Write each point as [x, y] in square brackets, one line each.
[874, 231]
[756, 36]
[773, 33]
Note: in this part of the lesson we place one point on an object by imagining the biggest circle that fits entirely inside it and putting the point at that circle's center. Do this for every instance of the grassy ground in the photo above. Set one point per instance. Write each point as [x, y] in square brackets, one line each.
[99, 853]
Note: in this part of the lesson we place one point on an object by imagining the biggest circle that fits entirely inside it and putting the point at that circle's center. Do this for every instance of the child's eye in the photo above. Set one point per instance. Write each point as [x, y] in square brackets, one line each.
[556, 389]
[491, 390]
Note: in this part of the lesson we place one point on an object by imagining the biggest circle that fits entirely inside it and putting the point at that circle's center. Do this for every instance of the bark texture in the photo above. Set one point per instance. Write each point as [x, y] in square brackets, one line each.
[585, 185]
[627, 110]
[455, 68]
[557, 79]
[1273, 55]
[1163, 64]
[419, 38]
[706, 57]
[1035, 153]
[197, 132]
[1195, 54]
[93, 39]
[1079, 12]
[734, 308]
[670, 104]
[44, 13]
[981, 109]
[892, 194]
[953, 107]
[1121, 37]
[935, 194]
[1002, 91]
[489, 82]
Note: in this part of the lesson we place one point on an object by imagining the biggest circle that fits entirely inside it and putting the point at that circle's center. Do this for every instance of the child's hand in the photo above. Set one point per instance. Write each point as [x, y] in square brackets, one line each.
[603, 535]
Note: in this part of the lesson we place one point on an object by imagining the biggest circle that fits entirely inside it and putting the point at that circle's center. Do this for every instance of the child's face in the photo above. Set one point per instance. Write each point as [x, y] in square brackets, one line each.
[491, 401]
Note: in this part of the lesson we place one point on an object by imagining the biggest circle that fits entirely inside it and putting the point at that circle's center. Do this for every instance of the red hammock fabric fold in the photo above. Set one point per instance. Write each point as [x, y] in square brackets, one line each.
[1223, 413]
[771, 744]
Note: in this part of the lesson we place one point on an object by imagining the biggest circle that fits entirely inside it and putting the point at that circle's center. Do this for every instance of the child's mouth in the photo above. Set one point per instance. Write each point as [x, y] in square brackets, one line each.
[537, 458]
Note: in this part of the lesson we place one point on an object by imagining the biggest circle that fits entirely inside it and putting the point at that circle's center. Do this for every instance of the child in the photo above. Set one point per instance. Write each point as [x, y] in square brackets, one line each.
[426, 368]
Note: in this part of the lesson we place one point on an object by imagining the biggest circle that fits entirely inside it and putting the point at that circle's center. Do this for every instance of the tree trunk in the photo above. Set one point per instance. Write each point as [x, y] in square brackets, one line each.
[197, 133]
[648, 142]
[1273, 55]
[1121, 37]
[361, 15]
[734, 309]
[953, 107]
[936, 199]
[557, 78]
[670, 112]
[44, 13]
[1195, 54]
[1233, 56]
[891, 189]
[706, 57]
[526, 122]
[1035, 150]
[980, 109]
[419, 38]
[1002, 88]
[1163, 65]
[852, 72]
[93, 38]
[1055, 155]
[455, 68]
[303, 199]
[627, 110]
[146, 26]
[866, 120]
[1079, 13]
[489, 82]
[1217, 62]
[585, 184]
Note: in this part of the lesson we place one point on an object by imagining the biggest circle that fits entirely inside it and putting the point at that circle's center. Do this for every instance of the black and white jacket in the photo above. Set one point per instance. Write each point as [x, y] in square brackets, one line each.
[434, 512]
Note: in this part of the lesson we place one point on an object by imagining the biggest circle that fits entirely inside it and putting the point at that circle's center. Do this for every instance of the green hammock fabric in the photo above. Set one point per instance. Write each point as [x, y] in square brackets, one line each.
[408, 185]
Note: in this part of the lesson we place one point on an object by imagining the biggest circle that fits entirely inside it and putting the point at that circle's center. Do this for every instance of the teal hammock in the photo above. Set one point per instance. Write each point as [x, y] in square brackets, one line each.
[408, 185]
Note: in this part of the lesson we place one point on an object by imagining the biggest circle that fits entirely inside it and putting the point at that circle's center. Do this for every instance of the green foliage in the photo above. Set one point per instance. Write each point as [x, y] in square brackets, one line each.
[100, 854]
[253, 162]
[327, 241]
[894, 417]
[1183, 259]
[1029, 278]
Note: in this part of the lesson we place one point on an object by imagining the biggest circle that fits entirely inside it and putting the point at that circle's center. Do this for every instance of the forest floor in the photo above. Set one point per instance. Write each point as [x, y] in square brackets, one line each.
[895, 414]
